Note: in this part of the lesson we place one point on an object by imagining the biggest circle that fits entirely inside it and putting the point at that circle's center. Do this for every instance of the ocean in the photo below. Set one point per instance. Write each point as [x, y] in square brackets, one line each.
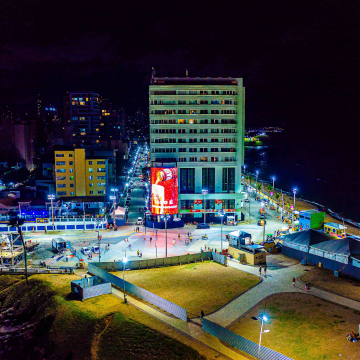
[323, 171]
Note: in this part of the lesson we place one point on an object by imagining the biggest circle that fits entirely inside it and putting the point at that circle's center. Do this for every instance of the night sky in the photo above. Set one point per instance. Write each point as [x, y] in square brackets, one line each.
[299, 60]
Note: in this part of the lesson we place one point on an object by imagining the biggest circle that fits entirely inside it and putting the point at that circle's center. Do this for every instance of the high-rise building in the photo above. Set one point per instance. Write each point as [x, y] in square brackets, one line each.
[76, 176]
[197, 125]
[110, 127]
[82, 112]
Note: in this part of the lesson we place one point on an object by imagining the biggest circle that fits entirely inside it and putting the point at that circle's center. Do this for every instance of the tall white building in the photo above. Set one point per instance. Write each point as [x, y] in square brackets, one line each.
[198, 125]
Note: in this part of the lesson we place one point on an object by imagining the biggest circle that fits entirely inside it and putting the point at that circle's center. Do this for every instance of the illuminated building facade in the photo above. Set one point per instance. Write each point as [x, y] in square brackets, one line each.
[76, 176]
[197, 125]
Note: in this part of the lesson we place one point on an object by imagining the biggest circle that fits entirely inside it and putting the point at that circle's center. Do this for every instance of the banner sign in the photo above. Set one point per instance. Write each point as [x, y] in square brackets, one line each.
[164, 191]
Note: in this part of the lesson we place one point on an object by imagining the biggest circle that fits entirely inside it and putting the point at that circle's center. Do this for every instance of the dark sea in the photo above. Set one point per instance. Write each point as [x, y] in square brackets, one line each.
[324, 169]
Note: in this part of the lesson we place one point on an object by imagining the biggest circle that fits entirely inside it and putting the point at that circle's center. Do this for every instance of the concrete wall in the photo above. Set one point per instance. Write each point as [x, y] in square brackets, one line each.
[252, 259]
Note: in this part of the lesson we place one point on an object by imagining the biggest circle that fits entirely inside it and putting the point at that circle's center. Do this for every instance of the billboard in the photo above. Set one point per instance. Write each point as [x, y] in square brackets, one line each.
[164, 191]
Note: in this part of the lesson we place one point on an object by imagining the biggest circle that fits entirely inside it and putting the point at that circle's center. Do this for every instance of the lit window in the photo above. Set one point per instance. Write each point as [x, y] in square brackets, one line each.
[82, 102]
[90, 162]
[71, 178]
[72, 193]
[97, 129]
[91, 192]
[82, 133]
[91, 184]
[71, 170]
[90, 177]
[90, 170]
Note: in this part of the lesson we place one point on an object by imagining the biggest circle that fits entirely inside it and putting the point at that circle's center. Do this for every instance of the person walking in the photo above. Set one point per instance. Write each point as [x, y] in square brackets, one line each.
[156, 232]
[293, 281]
[179, 237]
[260, 270]
[265, 271]
[306, 288]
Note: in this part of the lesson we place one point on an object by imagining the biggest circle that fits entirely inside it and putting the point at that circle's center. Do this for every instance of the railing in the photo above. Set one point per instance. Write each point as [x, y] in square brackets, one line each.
[12, 270]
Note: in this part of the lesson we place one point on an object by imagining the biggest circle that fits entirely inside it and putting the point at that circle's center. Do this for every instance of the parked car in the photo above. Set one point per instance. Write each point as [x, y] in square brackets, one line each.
[262, 216]
[85, 250]
[203, 226]
[95, 249]
[247, 200]
[139, 221]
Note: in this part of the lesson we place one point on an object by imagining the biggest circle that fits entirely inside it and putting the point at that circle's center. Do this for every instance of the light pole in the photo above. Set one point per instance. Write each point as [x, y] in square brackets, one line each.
[221, 213]
[263, 318]
[293, 217]
[205, 192]
[84, 217]
[124, 262]
[51, 198]
[114, 197]
[264, 220]
[257, 173]
[273, 180]
[166, 218]
[98, 230]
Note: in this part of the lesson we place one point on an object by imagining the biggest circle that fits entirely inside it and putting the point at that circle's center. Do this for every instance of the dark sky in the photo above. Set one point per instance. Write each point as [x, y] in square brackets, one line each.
[299, 60]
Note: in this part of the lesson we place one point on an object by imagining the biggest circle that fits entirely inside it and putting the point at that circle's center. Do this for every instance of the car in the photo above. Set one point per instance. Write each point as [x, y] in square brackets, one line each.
[95, 249]
[203, 226]
[85, 250]
[261, 224]
[139, 221]
[247, 200]
[262, 216]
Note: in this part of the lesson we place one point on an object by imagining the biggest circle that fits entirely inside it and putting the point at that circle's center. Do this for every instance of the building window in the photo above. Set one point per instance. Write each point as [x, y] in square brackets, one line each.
[208, 179]
[101, 184]
[90, 170]
[59, 155]
[61, 185]
[91, 184]
[101, 170]
[60, 178]
[187, 181]
[228, 182]
[70, 155]
[193, 159]
[101, 177]
[90, 177]
[101, 191]
[60, 170]
[90, 162]
[71, 163]
[204, 158]
[91, 192]
[71, 170]
[60, 163]
[71, 178]
[101, 162]
[72, 193]
[61, 193]
[71, 185]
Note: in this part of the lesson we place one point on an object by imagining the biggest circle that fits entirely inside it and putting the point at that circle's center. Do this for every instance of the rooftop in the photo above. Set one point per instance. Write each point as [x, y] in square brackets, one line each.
[194, 81]
[309, 211]
[335, 225]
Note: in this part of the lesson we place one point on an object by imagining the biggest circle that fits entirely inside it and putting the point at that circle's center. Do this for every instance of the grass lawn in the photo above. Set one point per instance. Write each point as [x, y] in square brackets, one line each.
[201, 286]
[98, 328]
[325, 279]
[303, 327]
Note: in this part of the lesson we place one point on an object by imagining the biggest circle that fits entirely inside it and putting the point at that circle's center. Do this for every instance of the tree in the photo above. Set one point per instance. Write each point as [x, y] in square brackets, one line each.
[269, 188]
[277, 196]
[258, 186]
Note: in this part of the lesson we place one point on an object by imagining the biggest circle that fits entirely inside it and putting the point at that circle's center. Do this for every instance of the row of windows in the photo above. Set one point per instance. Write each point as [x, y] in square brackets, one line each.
[64, 193]
[210, 204]
[195, 92]
[99, 184]
[194, 121]
[169, 150]
[205, 158]
[193, 131]
[193, 140]
[64, 163]
[99, 177]
[64, 178]
[98, 170]
[64, 170]
[192, 112]
[193, 102]
[63, 155]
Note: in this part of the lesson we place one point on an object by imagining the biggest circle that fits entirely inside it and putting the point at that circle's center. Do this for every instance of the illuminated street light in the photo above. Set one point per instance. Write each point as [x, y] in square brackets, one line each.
[263, 318]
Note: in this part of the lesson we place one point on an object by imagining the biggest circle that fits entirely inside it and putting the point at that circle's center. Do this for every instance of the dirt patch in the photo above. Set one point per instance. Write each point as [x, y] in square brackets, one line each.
[303, 327]
[202, 286]
[325, 279]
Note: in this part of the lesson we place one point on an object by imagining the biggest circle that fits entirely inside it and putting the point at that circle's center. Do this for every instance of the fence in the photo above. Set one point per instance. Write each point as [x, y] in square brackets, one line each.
[141, 293]
[160, 262]
[237, 341]
[222, 259]
[12, 270]
[90, 287]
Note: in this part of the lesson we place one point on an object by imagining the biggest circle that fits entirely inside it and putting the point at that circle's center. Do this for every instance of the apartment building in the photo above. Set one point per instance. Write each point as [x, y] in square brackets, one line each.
[198, 126]
[76, 176]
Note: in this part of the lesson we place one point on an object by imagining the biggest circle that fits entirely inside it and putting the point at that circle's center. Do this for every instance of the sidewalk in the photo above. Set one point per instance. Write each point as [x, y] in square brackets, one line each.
[187, 328]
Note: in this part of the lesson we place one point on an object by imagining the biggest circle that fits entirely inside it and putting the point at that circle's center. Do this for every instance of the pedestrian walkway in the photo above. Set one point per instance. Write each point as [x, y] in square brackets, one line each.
[188, 328]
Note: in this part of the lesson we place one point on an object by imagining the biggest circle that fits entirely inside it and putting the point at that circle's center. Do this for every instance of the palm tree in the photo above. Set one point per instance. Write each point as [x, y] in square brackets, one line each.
[269, 188]
[277, 196]
[249, 178]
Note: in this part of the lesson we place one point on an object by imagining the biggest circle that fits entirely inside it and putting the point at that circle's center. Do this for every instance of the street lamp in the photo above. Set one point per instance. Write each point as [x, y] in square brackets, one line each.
[124, 262]
[205, 192]
[221, 213]
[294, 191]
[166, 218]
[263, 206]
[51, 198]
[263, 318]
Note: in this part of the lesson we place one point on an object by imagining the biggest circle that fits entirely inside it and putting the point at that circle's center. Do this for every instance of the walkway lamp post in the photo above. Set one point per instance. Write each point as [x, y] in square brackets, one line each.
[263, 206]
[205, 192]
[221, 213]
[124, 262]
[166, 218]
[262, 318]
[51, 198]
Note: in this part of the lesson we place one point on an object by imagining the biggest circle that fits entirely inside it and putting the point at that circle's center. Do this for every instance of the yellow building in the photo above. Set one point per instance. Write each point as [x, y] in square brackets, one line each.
[76, 176]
